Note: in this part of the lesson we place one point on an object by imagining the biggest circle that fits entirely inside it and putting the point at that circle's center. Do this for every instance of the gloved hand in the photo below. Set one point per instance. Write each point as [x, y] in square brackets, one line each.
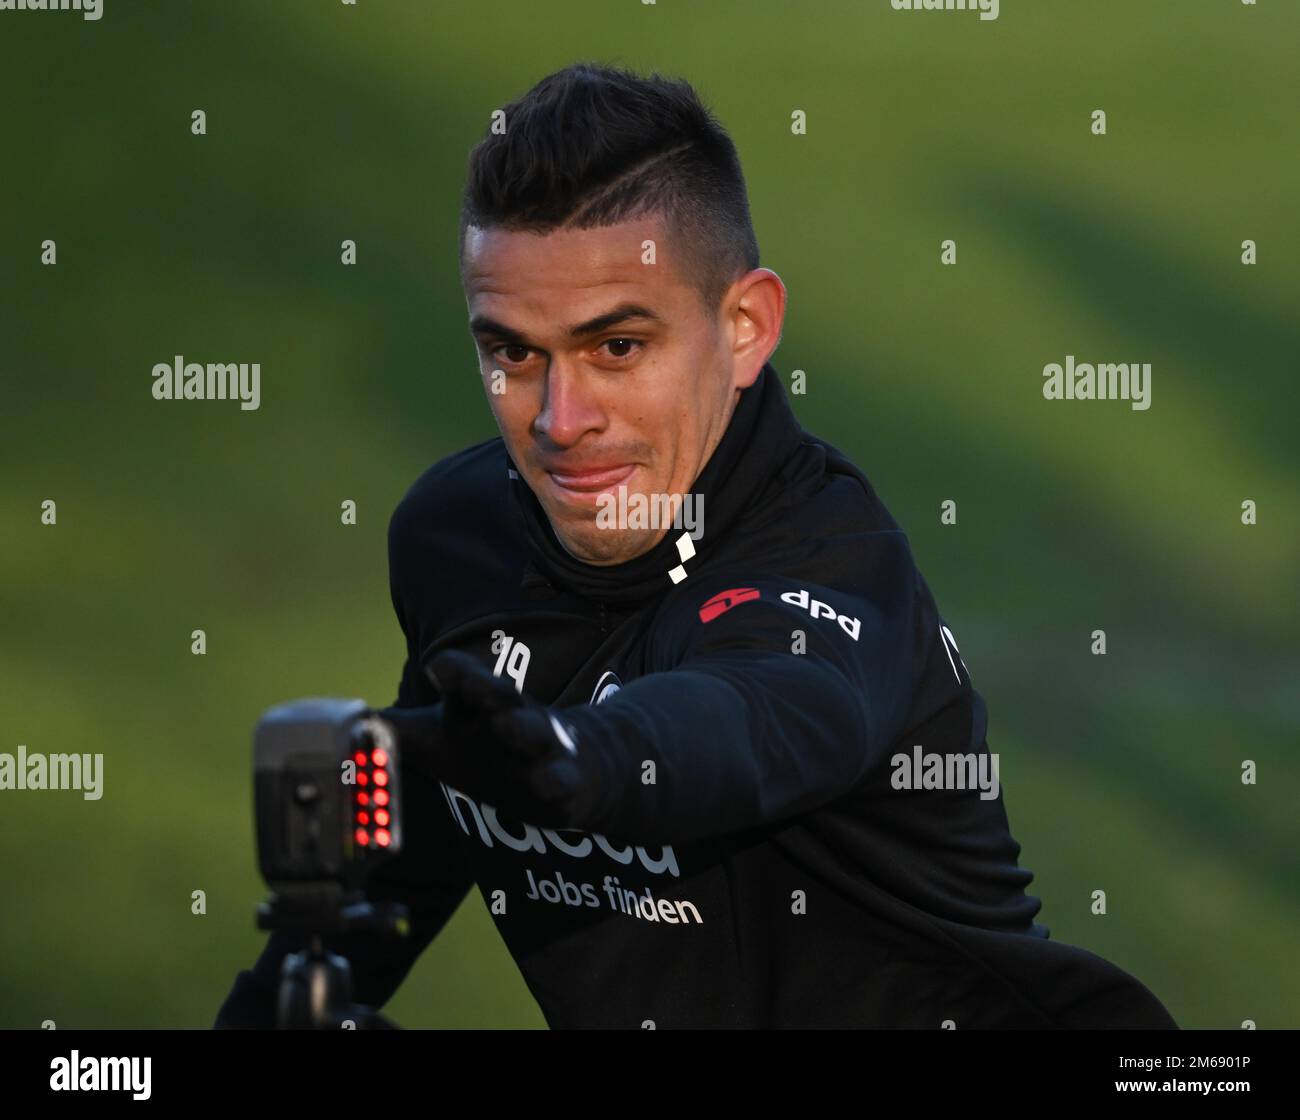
[487, 739]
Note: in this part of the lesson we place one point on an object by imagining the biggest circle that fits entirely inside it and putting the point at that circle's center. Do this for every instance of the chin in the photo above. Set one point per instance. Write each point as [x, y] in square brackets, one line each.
[596, 546]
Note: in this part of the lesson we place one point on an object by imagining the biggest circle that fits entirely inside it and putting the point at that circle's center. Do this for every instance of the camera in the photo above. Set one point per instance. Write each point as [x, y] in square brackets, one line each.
[327, 807]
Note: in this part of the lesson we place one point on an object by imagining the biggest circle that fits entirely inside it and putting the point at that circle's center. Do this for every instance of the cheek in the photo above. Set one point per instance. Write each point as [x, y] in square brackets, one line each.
[514, 440]
[510, 407]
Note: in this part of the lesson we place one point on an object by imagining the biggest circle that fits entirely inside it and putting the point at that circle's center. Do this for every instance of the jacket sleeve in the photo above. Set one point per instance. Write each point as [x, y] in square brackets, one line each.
[427, 876]
[775, 696]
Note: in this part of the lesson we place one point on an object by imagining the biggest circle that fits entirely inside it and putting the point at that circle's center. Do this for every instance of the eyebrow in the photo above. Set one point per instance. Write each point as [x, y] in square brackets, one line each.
[483, 325]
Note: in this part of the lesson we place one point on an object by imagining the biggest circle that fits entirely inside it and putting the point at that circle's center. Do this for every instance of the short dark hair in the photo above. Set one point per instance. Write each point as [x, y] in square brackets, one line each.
[592, 145]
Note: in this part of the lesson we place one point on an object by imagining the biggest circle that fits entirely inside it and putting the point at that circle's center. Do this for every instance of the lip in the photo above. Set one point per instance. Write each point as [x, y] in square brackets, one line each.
[593, 481]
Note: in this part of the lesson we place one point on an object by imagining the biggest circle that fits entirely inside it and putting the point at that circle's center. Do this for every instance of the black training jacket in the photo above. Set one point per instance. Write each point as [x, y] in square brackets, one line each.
[757, 857]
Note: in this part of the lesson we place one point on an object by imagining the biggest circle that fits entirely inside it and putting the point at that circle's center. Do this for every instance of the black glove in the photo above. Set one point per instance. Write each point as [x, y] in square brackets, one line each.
[487, 739]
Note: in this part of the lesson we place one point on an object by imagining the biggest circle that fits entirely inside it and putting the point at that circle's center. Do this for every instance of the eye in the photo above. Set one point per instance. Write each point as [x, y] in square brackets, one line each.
[621, 342]
[511, 346]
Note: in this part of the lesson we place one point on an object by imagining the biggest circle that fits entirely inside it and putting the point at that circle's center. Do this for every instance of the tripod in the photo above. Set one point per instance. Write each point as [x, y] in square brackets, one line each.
[315, 984]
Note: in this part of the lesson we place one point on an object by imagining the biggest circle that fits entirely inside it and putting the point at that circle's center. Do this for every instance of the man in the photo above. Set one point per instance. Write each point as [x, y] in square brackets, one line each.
[669, 658]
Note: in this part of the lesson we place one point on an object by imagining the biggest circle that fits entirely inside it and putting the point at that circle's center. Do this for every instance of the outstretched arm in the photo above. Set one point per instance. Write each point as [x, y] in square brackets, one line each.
[779, 703]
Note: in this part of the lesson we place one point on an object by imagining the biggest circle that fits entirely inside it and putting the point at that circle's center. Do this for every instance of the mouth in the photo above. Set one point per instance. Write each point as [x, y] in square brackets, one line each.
[586, 486]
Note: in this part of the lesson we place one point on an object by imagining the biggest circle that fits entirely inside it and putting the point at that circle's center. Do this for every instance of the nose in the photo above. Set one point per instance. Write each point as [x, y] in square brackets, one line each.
[570, 407]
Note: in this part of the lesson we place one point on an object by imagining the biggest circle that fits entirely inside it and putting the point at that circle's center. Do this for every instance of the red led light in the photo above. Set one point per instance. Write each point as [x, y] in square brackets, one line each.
[362, 780]
[381, 797]
[381, 757]
[381, 816]
[381, 838]
[364, 818]
[363, 837]
[359, 758]
[381, 777]
[364, 798]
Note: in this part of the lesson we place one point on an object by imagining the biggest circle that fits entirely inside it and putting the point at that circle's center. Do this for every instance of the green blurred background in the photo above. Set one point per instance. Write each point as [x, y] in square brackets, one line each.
[328, 121]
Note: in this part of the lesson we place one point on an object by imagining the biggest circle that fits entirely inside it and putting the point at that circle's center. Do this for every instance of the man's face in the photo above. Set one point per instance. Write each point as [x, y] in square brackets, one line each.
[611, 373]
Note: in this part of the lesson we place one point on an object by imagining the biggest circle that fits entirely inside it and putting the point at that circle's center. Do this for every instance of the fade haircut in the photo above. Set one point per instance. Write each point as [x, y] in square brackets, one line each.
[592, 145]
